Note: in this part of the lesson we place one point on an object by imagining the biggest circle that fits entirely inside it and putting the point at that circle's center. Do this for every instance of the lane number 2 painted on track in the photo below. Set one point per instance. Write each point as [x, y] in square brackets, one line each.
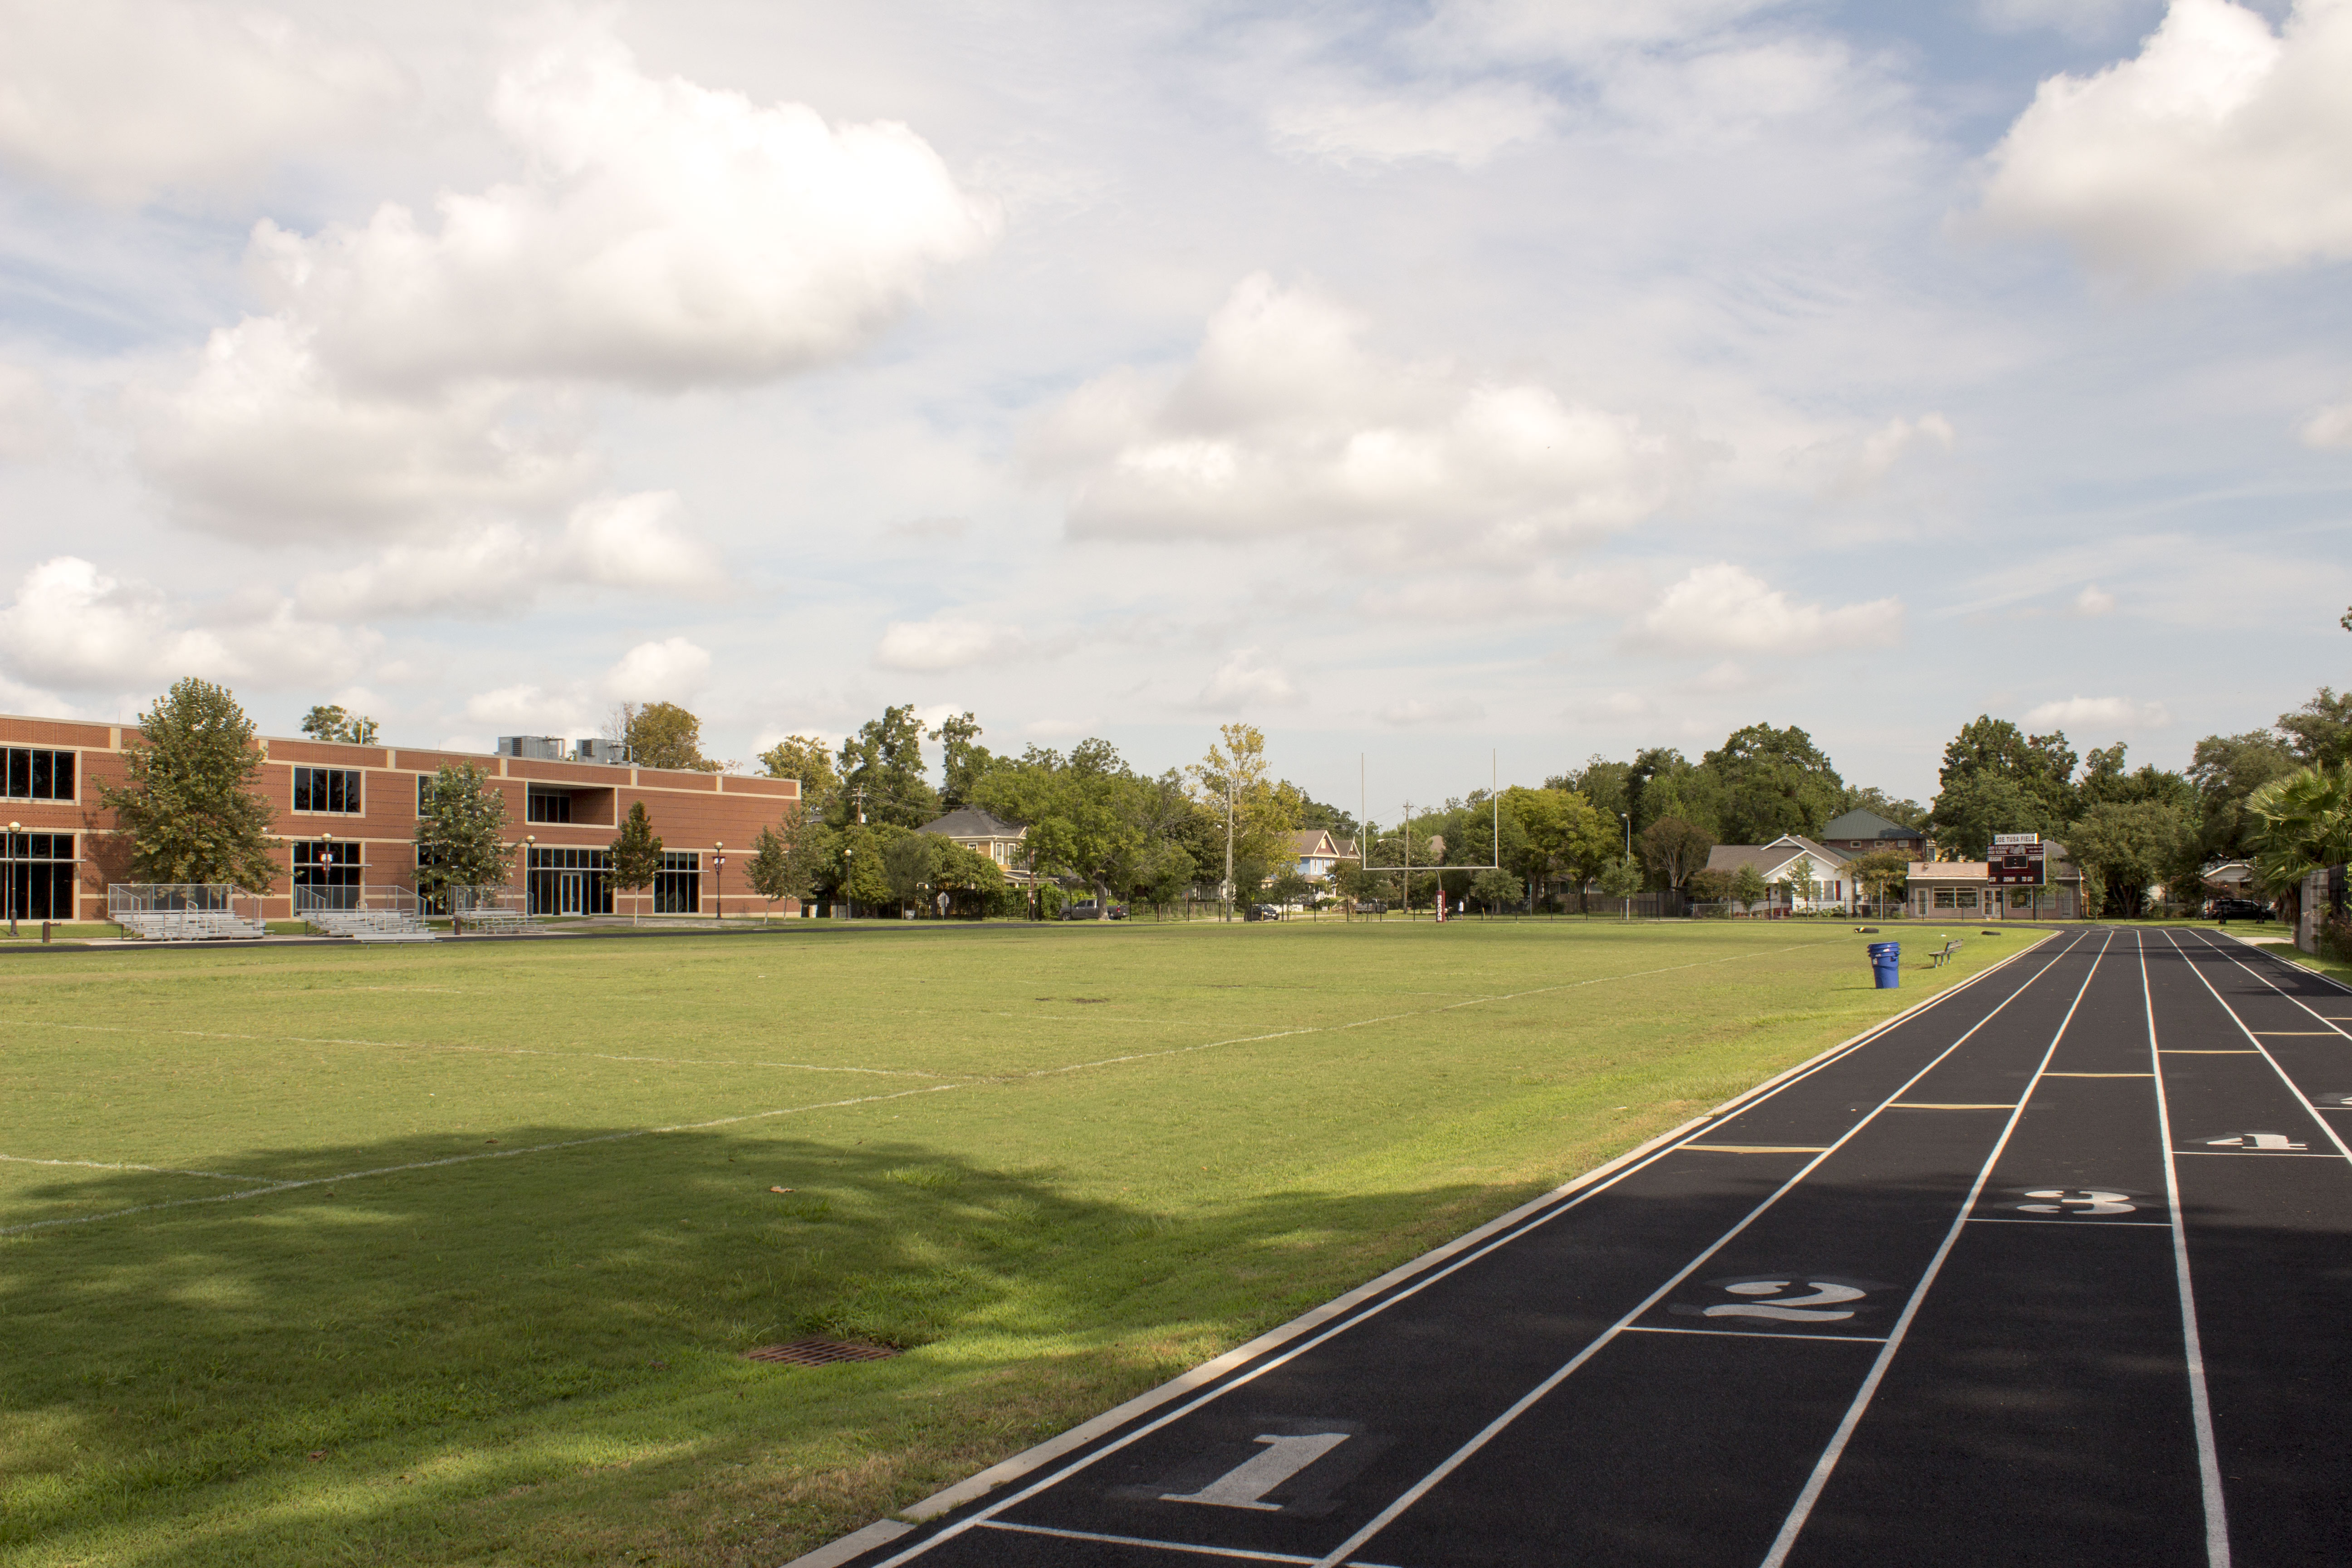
[1246, 1484]
[1818, 1308]
[2077, 1200]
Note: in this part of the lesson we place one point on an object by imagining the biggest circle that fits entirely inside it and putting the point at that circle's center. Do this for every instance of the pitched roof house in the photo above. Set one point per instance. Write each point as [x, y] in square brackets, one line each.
[976, 830]
[1859, 832]
[1318, 853]
[1777, 859]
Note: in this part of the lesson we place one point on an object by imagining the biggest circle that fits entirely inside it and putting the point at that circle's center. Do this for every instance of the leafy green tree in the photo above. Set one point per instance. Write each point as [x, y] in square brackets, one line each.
[461, 832]
[1673, 850]
[860, 873]
[911, 863]
[779, 867]
[1608, 785]
[972, 880]
[1561, 832]
[2126, 847]
[1710, 887]
[1773, 781]
[809, 759]
[2226, 771]
[1748, 886]
[1495, 889]
[664, 735]
[1232, 778]
[2041, 767]
[1165, 873]
[329, 721]
[1802, 883]
[1870, 797]
[2305, 824]
[2106, 778]
[188, 803]
[637, 856]
[1884, 873]
[1974, 807]
[2320, 731]
[963, 760]
[882, 772]
[1289, 887]
[1622, 878]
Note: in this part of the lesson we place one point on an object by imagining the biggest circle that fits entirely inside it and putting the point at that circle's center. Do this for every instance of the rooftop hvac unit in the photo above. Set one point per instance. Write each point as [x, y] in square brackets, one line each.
[538, 748]
[600, 751]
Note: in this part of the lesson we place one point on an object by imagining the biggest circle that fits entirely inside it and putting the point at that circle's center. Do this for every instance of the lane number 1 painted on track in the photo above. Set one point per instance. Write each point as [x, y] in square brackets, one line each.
[1246, 1484]
[2078, 1201]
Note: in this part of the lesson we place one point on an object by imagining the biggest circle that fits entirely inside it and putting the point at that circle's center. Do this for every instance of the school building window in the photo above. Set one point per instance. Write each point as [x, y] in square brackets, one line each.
[34, 774]
[548, 805]
[571, 881]
[678, 886]
[37, 879]
[326, 864]
[327, 789]
[1943, 898]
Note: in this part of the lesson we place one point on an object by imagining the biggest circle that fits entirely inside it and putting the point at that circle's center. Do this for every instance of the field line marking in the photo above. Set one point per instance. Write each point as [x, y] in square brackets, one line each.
[479, 1050]
[114, 1165]
[1517, 1222]
[1527, 1401]
[1392, 1017]
[1792, 1526]
[275, 1187]
[2200, 1401]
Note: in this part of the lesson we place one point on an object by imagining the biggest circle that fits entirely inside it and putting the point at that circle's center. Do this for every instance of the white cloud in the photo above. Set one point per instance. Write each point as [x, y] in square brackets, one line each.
[632, 542]
[2219, 147]
[31, 425]
[1540, 593]
[117, 101]
[1284, 422]
[1724, 608]
[72, 627]
[946, 642]
[2093, 601]
[2329, 426]
[1415, 711]
[262, 443]
[1576, 31]
[667, 671]
[2099, 714]
[1856, 467]
[665, 234]
[1244, 681]
[1465, 126]
[527, 710]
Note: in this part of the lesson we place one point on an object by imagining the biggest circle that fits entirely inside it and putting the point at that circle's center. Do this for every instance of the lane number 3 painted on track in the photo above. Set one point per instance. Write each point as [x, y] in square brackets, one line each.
[2077, 1200]
[1816, 1307]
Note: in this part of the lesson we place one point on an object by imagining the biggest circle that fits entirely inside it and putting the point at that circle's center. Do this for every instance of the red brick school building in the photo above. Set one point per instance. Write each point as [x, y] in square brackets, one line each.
[346, 816]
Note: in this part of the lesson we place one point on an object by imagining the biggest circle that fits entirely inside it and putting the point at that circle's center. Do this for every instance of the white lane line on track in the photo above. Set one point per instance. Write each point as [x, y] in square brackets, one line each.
[1761, 1334]
[275, 1187]
[1792, 1526]
[2254, 1041]
[2200, 1400]
[113, 1165]
[1242, 1552]
[1527, 1401]
[1758, 1096]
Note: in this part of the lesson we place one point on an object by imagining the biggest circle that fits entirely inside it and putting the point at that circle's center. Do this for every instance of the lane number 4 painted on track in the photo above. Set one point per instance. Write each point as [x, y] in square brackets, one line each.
[1246, 1484]
[2077, 1200]
[2274, 1141]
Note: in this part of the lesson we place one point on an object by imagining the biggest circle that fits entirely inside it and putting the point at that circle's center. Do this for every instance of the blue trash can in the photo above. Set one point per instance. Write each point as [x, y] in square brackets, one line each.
[1886, 964]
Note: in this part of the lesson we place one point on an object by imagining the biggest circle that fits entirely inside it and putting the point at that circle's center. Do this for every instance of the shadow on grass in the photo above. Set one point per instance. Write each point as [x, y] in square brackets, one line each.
[539, 1359]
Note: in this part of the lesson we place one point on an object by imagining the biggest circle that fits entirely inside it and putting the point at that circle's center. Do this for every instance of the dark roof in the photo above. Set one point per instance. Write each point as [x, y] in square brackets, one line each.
[970, 822]
[1860, 823]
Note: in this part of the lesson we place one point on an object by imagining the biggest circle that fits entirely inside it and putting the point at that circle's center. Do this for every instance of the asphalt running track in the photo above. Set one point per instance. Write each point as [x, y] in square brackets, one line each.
[2053, 1270]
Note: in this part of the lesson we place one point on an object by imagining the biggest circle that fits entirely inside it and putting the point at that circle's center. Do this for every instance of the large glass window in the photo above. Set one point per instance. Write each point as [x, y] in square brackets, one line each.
[327, 864]
[1943, 898]
[571, 881]
[548, 805]
[34, 774]
[36, 876]
[327, 789]
[677, 886]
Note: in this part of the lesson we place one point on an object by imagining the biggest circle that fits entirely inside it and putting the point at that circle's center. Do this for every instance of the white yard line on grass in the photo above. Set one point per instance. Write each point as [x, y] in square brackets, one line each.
[111, 1166]
[275, 1187]
[478, 1050]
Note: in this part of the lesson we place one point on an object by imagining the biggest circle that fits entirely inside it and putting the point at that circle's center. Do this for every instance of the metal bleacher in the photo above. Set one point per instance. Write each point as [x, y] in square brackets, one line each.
[185, 911]
[491, 910]
[378, 913]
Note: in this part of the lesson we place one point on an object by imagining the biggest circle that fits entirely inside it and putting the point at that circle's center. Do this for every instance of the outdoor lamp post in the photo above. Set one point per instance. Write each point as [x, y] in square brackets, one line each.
[718, 905]
[1626, 817]
[847, 869]
[530, 844]
[14, 829]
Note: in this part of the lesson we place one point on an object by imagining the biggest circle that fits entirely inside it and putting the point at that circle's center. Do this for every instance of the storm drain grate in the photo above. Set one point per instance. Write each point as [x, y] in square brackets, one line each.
[819, 1352]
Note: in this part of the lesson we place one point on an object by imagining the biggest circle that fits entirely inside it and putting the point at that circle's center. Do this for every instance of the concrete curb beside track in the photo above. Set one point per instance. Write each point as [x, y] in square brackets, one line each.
[883, 1530]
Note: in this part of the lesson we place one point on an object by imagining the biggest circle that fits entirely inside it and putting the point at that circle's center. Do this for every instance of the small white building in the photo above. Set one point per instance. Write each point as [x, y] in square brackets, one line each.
[1777, 863]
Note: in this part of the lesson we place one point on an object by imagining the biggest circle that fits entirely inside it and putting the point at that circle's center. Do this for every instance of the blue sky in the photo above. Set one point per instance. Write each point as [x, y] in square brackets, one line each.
[1415, 382]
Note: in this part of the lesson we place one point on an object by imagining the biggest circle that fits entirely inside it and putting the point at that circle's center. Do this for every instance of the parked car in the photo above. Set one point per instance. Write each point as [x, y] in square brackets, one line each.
[1090, 911]
[2228, 909]
[1262, 912]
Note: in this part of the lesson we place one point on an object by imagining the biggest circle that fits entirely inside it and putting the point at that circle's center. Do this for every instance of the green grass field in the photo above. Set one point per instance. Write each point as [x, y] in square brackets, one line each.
[449, 1254]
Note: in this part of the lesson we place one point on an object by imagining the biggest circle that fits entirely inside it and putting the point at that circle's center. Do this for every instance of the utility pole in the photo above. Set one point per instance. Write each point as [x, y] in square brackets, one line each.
[1628, 821]
[1229, 843]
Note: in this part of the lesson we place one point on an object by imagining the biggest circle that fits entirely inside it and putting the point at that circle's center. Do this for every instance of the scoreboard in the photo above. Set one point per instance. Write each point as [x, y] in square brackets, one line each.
[2015, 860]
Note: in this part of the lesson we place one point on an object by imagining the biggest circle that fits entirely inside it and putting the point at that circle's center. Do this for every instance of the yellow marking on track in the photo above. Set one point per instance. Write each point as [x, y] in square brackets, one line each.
[2098, 1075]
[1759, 1148]
[1923, 1105]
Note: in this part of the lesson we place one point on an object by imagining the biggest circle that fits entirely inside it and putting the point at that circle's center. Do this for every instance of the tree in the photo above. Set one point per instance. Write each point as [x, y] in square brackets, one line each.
[1622, 878]
[911, 862]
[330, 722]
[2305, 824]
[882, 772]
[1166, 872]
[1494, 890]
[1748, 886]
[1230, 783]
[2320, 731]
[636, 855]
[664, 735]
[1803, 888]
[809, 759]
[859, 872]
[1561, 832]
[1707, 887]
[963, 760]
[1881, 871]
[1869, 797]
[461, 832]
[969, 879]
[773, 870]
[1673, 850]
[1774, 781]
[187, 801]
[2226, 771]
[2125, 849]
[2039, 768]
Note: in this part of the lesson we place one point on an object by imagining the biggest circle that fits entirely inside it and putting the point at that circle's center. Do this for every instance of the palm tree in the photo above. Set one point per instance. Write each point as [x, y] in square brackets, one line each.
[2305, 826]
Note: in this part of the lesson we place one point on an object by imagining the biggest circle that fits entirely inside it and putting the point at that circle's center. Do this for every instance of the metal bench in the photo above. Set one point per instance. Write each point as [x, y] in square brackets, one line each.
[1943, 955]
